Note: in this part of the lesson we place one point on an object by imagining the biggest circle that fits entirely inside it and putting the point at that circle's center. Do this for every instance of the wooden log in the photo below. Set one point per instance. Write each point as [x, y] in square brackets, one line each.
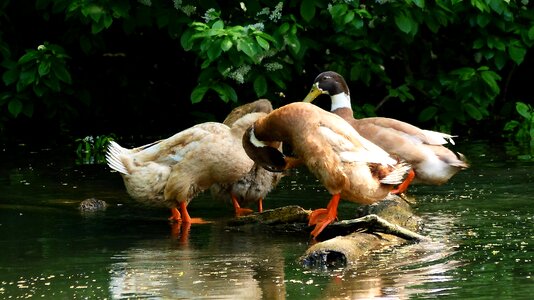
[387, 222]
[291, 218]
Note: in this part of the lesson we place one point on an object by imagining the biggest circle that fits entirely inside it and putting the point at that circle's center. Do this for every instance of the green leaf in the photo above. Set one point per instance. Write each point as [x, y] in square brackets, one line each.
[97, 27]
[473, 111]
[262, 42]
[198, 93]
[348, 17]
[10, 76]
[94, 11]
[489, 78]
[337, 10]
[225, 92]
[280, 83]
[283, 28]
[218, 25]
[293, 42]
[246, 48]
[52, 83]
[427, 113]
[39, 90]
[61, 73]
[29, 56]
[531, 33]
[500, 45]
[464, 73]
[27, 77]
[500, 60]
[404, 22]
[14, 107]
[419, 3]
[510, 125]
[483, 20]
[260, 86]
[108, 20]
[187, 39]
[214, 50]
[523, 110]
[226, 44]
[44, 68]
[517, 53]
[307, 10]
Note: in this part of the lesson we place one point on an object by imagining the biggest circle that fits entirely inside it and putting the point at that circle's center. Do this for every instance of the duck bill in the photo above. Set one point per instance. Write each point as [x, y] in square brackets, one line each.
[314, 93]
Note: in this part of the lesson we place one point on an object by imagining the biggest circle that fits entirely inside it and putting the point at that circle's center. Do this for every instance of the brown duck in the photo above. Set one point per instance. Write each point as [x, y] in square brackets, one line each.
[254, 186]
[432, 163]
[173, 171]
[349, 166]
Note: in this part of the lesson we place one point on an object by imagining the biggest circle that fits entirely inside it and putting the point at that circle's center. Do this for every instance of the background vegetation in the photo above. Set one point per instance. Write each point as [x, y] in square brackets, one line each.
[72, 68]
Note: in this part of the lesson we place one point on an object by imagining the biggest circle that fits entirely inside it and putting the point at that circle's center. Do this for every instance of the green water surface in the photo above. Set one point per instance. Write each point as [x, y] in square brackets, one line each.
[481, 224]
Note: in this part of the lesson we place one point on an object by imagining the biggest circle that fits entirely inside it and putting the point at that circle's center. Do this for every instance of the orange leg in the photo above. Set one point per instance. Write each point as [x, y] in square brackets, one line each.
[323, 217]
[175, 215]
[317, 216]
[260, 205]
[404, 185]
[238, 210]
[180, 215]
[185, 215]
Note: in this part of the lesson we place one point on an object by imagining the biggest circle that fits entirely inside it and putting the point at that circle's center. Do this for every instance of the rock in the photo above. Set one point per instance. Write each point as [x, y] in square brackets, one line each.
[92, 205]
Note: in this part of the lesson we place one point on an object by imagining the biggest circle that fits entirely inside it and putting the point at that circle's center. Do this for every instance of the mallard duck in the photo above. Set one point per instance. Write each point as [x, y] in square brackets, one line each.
[173, 171]
[349, 166]
[258, 182]
[432, 163]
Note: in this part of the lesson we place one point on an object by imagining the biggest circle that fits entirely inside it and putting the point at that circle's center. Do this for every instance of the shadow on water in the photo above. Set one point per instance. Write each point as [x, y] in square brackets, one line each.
[480, 223]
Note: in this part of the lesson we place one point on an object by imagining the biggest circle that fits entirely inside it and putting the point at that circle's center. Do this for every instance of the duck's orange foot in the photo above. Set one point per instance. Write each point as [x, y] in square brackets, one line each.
[322, 225]
[239, 212]
[199, 221]
[317, 216]
[324, 216]
[175, 217]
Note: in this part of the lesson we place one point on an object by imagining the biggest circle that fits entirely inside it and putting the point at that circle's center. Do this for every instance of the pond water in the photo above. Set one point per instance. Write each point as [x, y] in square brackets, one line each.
[481, 224]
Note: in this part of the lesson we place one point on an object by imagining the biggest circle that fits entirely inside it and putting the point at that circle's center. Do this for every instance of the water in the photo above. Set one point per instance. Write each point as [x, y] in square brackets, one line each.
[481, 224]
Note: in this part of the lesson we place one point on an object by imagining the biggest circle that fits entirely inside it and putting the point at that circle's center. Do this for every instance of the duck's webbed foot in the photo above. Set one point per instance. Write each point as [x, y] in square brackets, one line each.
[323, 216]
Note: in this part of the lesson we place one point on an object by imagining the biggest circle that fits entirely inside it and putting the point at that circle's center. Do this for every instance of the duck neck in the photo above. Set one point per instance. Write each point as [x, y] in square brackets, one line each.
[341, 100]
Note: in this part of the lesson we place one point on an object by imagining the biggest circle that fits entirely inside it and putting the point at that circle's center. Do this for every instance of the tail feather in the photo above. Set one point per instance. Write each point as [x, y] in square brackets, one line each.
[397, 175]
[113, 157]
[438, 138]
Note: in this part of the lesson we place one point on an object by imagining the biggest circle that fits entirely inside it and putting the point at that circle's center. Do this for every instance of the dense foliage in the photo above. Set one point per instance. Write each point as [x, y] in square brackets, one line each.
[155, 66]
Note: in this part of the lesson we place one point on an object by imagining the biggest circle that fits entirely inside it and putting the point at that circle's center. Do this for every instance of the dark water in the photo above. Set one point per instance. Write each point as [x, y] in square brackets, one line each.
[482, 225]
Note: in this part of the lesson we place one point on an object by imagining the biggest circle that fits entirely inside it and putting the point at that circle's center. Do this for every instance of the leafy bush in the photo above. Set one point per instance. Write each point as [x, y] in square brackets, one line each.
[92, 150]
[445, 64]
[522, 131]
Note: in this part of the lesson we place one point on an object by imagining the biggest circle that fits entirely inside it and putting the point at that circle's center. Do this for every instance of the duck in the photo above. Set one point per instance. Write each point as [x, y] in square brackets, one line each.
[172, 171]
[349, 166]
[432, 162]
[254, 186]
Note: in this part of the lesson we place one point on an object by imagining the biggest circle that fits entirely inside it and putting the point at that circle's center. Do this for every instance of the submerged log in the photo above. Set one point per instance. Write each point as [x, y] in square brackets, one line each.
[385, 223]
